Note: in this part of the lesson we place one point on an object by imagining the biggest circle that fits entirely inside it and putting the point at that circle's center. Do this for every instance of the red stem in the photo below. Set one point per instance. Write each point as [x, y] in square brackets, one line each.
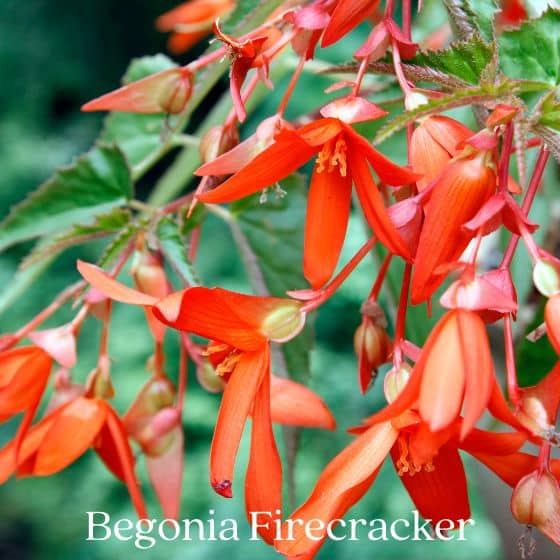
[401, 317]
[511, 371]
[374, 294]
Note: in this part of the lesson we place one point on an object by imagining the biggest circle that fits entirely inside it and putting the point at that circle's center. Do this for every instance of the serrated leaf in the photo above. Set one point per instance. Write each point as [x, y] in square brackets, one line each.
[95, 183]
[469, 96]
[137, 135]
[118, 244]
[533, 51]
[103, 226]
[465, 59]
[174, 250]
[483, 13]
[273, 232]
[550, 111]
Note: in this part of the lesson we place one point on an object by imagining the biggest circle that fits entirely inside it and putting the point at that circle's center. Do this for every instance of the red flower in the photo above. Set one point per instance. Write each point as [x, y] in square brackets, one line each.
[343, 157]
[458, 194]
[66, 434]
[347, 15]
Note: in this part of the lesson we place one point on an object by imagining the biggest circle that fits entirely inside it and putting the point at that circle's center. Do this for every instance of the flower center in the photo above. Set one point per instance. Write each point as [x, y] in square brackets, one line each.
[407, 463]
[333, 154]
[229, 361]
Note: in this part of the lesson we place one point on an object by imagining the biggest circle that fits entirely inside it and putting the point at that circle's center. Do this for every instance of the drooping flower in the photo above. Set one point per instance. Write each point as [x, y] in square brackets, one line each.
[167, 91]
[240, 328]
[67, 433]
[24, 373]
[191, 21]
[343, 157]
[457, 195]
[454, 371]
[428, 463]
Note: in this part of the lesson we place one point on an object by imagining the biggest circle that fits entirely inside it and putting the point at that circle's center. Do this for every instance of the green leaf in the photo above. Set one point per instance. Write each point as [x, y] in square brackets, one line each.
[103, 226]
[483, 14]
[174, 249]
[550, 110]
[270, 236]
[119, 243]
[533, 51]
[465, 59]
[95, 183]
[138, 135]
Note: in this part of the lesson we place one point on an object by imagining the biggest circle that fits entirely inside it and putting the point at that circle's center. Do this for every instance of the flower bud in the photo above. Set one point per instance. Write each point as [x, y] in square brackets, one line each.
[284, 322]
[395, 381]
[149, 275]
[536, 501]
[414, 99]
[217, 141]
[174, 95]
[208, 378]
[156, 435]
[373, 347]
[546, 277]
[99, 382]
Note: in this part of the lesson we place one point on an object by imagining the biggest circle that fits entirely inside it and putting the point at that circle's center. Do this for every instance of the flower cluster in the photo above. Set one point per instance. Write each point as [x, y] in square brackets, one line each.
[429, 219]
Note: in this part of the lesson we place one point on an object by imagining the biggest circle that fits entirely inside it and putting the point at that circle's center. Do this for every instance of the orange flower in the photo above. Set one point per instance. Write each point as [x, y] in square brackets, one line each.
[191, 21]
[454, 369]
[427, 462]
[552, 320]
[240, 328]
[458, 194]
[24, 373]
[343, 157]
[66, 434]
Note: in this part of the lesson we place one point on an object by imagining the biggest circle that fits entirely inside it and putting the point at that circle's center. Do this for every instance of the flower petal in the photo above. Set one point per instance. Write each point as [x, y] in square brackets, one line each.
[346, 15]
[217, 314]
[263, 481]
[237, 401]
[72, 433]
[99, 279]
[294, 404]
[441, 493]
[373, 207]
[279, 160]
[344, 481]
[328, 209]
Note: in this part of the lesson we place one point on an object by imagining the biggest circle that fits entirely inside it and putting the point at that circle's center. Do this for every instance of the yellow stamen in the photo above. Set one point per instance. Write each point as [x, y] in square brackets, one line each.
[330, 157]
[405, 463]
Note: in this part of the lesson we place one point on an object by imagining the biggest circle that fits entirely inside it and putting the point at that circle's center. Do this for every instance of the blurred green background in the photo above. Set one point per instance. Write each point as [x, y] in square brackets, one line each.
[54, 56]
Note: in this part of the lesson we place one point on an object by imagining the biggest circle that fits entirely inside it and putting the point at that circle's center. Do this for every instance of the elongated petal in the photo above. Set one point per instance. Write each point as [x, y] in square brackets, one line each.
[345, 479]
[373, 207]
[510, 468]
[193, 11]
[233, 160]
[328, 209]
[275, 163]
[497, 443]
[99, 279]
[441, 493]
[165, 92]
[462, 189]
[296, 405]
[124, 452]
[70, 436]
[107, 451]
[449, 133]
[456, 362]
[263, 482]
[347, 15]
[388, 172]
[166, 474]
[216, 314]
[237, 401]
